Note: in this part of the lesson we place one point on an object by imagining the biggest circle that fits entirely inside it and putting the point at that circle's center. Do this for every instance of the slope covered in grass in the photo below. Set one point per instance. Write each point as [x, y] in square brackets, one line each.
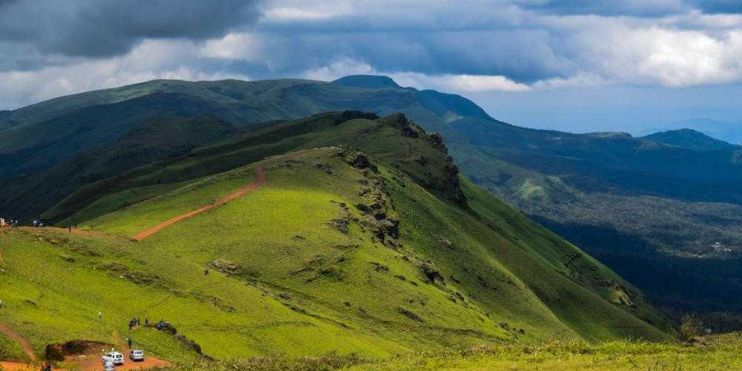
[715, 353]
[364, 239]
[684, 251]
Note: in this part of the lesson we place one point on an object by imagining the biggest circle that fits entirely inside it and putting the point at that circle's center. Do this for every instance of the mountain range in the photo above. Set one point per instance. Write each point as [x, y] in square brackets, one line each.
[662, 210]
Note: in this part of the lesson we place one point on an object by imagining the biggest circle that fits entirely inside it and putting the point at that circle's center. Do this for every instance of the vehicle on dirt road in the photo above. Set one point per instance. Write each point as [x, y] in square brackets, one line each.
[114, 357]
[136, 355]
[108, 366]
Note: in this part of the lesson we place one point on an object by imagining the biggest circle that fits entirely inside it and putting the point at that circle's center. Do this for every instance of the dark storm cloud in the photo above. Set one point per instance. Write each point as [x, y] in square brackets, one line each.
[49, 48]
[91, 28]
[522, 55]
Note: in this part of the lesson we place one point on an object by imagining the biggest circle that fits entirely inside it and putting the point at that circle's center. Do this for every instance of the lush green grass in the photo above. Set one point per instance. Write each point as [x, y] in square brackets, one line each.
[718, 352]
[10, 350]
[51, 299]
[721, 353]
[300, 267]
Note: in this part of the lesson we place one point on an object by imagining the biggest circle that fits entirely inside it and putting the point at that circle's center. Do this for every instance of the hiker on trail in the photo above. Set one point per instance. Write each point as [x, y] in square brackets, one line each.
[100, 315]
[206, 272]
[47, 366]
[128, 342]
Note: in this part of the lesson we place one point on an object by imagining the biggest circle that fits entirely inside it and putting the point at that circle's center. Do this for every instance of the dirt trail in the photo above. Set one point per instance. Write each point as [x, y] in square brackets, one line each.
[75, 231]
[255, 184]
[17, 366]
[11, 334]
[91, 360]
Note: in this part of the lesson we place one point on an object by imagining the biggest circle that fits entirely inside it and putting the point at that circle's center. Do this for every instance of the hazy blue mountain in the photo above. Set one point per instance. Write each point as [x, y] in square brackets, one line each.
[730, 132]
[690, 139]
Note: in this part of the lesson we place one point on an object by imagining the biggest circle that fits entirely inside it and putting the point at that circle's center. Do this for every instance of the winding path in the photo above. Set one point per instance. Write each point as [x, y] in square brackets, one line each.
[12, 335]
[260, 179]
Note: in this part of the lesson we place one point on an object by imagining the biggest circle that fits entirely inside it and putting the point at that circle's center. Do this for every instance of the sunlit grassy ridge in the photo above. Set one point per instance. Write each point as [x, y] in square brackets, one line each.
[331, 254]
[721, 353]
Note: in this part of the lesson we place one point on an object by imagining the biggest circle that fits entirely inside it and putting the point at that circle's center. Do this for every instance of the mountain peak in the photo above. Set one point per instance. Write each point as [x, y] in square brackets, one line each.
[689, 139]
[367, 81]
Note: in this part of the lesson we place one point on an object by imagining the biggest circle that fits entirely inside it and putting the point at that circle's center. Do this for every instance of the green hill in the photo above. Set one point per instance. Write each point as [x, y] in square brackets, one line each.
[363, 239]
[666, 217]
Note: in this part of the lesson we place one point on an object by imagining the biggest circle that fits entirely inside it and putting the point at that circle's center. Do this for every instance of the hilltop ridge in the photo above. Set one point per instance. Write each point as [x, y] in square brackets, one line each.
[362, 234]
[52, 149]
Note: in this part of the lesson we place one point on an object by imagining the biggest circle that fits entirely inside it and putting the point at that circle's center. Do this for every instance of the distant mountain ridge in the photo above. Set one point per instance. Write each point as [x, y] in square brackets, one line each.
[730, 132]
[367, 82]
[577, 184]
[690, 139]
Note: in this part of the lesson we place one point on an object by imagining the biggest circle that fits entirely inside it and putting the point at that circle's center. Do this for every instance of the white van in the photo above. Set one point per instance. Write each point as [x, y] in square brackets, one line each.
[114, 357]
[136, 355]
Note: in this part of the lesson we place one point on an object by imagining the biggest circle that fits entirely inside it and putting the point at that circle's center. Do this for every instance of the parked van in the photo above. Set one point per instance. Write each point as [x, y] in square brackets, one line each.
[114, 357]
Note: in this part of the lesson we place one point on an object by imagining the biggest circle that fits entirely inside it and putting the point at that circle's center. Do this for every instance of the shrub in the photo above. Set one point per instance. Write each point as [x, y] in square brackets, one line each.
[690, 327]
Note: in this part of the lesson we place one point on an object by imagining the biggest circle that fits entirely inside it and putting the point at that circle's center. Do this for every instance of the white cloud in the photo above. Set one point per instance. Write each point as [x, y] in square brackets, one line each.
[150, 60]
[458, 83]
[485, 46]
[340, 68]
[242, 46]
[445, 82]
[668, 57]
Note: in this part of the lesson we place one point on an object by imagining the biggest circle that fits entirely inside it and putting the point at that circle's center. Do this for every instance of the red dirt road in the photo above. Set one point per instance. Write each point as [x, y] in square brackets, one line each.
[12, 335]
[16, 366]
[92, 361]
[255, 184]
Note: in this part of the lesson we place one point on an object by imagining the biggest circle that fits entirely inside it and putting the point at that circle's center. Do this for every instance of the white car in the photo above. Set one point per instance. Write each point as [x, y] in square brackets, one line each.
[136, 355]
[108, 366]
[114, 357]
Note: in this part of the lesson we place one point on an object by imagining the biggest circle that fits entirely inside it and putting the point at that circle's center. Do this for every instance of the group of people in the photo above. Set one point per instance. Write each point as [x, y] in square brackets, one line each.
[134, 322]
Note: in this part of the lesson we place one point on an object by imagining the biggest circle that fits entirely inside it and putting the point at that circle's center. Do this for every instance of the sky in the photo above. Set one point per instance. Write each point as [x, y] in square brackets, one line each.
[581, 65]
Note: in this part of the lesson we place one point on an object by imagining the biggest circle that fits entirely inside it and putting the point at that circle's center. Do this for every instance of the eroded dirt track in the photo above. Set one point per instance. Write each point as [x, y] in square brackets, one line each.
[12, 335]
[260, 179]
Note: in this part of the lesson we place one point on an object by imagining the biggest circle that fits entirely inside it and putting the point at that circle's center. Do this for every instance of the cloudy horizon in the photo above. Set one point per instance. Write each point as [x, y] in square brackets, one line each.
[569, 65]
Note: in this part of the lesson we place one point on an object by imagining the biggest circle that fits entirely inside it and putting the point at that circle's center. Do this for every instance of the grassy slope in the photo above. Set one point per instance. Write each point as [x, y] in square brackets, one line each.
[229, 318]
[507, 298]
[299, 278]
[722, 353]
